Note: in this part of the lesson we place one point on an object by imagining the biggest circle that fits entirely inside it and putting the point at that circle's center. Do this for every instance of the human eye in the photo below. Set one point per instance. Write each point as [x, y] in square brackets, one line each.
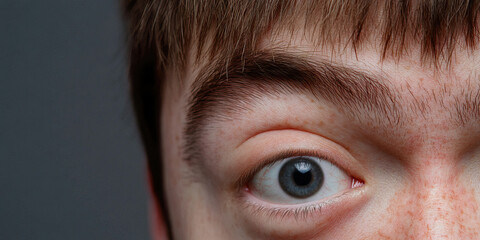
[299, 179]
[297, 182]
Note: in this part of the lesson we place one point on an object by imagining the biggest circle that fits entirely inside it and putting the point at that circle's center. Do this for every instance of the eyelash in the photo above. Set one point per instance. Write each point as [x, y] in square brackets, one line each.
[299, 212]
[247, 176]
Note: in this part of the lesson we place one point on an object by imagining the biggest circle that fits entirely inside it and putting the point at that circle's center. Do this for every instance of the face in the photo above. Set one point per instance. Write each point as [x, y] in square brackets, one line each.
[310, 143]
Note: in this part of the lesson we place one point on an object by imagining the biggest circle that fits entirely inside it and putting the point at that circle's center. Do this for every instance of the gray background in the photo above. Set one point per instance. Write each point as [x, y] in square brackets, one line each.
[71, 165]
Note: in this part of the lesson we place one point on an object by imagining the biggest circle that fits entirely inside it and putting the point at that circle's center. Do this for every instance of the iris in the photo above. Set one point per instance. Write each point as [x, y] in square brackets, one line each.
[301, 177]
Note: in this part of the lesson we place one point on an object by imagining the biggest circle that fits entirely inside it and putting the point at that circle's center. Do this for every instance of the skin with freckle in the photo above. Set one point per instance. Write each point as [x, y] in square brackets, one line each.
[419, 178]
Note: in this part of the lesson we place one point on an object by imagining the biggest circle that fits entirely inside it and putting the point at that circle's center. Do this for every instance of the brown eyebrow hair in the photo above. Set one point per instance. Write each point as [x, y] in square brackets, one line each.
[219, 95]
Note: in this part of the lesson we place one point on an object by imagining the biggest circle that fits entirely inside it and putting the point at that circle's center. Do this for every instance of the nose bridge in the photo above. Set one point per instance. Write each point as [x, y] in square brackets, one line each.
[436, 206]
[445, 208]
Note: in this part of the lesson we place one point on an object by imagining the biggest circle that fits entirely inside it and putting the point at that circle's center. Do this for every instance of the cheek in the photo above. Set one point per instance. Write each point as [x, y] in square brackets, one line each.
[428, 208]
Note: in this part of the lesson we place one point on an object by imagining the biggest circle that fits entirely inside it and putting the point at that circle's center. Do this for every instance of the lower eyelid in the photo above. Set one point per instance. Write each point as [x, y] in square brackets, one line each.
[297, 212]
[302, 218]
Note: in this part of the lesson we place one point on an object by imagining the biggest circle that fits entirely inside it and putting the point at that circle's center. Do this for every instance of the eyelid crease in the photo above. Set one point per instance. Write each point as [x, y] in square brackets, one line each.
[272, 129]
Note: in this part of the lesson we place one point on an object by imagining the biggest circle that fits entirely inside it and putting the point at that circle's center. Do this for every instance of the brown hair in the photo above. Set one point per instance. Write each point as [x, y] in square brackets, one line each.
[162, 32]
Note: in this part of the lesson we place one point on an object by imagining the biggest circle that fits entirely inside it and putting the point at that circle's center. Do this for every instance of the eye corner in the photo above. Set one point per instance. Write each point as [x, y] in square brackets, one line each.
[356, 183]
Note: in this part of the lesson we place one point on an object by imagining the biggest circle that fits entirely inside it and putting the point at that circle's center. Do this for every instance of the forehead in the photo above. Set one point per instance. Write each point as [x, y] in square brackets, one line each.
[408, 70]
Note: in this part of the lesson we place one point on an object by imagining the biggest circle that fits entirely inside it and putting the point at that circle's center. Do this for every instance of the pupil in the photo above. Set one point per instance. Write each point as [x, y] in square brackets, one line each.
[302, 179]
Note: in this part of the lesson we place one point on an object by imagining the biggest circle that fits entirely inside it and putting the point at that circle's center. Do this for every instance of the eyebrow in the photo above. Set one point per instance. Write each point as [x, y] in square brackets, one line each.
[220, 91]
